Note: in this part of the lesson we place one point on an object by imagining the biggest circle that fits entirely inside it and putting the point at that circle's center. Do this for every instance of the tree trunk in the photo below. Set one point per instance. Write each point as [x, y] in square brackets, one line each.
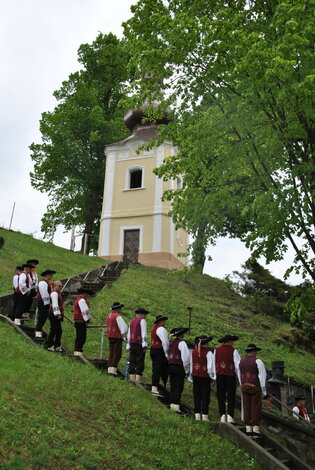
[90, 216]
[199, 249]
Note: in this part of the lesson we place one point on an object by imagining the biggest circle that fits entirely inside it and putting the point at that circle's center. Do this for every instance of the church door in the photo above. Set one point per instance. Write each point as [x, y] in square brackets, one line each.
[131, 245]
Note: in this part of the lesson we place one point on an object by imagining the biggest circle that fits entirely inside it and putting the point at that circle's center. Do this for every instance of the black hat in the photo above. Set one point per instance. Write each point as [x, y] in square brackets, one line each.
[160, 318]
[252, 347]
[228, 338]
[116, 305]
[178, 331]
[19, 268]
[83, 290]
[33, 261]
[48, 271]
[299, 397]
[26, 265]
[142, 311]
[203, 339]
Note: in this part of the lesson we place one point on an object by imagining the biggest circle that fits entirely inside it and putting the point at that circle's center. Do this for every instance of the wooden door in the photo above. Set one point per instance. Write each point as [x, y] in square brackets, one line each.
[131, 245]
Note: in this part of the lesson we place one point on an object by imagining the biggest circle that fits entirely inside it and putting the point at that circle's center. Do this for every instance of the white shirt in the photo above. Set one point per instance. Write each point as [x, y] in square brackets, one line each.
[162, 334]
[55, 303]
[22, 283]
[43, 291]
[143, 326]
[185, 355]
[84, 308]
[15, 281]
[210, 365]
[34, 280]
[236, 360]
[123, 328]
[262, 375]
[295, 408]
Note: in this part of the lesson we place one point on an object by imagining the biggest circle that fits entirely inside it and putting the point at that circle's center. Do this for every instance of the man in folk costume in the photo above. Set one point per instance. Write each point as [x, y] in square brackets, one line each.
[253, 386]
[43, 300]
[179, 366]
[81, 318]
[23, 291]
[55, 316]
[34, 286]
[15, 282]
[137, 344]
[227, 361]
[299, 410]
[202, 369]
[116, 333]
[159, 353]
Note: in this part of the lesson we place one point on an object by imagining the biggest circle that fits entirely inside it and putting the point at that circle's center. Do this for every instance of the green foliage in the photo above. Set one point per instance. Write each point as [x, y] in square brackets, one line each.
[241, 79]
[19, 248]
[301, 307]
[77, 418]
[69, 164]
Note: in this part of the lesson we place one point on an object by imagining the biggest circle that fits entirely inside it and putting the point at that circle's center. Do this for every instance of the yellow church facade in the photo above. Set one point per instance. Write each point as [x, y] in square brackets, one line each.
[135, 225]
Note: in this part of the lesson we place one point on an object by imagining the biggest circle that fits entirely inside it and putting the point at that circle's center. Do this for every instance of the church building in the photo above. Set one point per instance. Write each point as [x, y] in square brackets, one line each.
[135, 225]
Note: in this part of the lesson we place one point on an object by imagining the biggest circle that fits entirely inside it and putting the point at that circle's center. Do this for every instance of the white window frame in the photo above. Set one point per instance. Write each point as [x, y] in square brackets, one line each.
[128, 177]
[122, 231]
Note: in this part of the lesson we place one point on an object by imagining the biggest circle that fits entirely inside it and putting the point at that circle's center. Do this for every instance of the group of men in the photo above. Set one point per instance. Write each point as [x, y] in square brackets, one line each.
[49, 303]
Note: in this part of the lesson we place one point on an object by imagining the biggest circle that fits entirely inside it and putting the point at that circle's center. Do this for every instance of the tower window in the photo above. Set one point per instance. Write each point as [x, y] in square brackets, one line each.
[135, 179]
[179, 183]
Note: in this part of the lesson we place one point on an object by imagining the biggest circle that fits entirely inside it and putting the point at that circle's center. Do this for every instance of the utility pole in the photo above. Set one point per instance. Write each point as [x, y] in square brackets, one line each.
[72, 241]
[189, 320]
[12, 215]
[86, 236]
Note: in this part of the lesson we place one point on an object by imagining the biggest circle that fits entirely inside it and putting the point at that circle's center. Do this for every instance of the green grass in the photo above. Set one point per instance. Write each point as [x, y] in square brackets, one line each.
[56, 414]
[18, 248]
[217, 311]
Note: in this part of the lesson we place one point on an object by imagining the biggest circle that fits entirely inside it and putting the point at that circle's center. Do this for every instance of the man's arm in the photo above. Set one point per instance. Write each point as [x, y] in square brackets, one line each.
[84, 310]
[143, 325]
[237, 360]
[22, 284]
[211, 365]
[262, 375]
[162, 334]
[185, 355]
[55, 304]
[123, 328]
[43, 290]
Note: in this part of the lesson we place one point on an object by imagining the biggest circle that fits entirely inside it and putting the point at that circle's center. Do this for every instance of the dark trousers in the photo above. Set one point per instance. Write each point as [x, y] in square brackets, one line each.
[20, 304]
[226, 389]
[177, 378]
[29, 300]
[15, 302]
[159, 366]
[201, 391]
[42, 315]
[136, 359]
[55, 333]
[115, 350]
[80, 337]
[252, 407]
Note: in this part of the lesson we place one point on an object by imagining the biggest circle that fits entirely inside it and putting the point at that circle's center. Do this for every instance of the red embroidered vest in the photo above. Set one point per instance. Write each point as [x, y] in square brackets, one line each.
[199, 362]
[77, 312]
[113, 330]
[249, 371]
[175, 356]
[303, 412]
[224, 362]
[39, 297]
[135, 331]
[156, 343]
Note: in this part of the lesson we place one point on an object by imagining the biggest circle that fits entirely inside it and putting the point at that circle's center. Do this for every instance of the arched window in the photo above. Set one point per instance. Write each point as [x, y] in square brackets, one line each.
[179, 184]
[134, 178]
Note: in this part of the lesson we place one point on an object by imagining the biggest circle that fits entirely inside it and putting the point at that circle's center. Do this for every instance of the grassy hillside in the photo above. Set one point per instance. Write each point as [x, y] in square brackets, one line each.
[59, 414]
[217, 311]
[18, 248]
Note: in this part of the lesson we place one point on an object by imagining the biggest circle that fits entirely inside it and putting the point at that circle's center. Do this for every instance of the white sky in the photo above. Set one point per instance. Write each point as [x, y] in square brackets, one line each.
[39, 40]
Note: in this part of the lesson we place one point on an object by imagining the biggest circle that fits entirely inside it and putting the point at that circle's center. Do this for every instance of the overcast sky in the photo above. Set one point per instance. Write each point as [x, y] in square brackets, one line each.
[39, 40]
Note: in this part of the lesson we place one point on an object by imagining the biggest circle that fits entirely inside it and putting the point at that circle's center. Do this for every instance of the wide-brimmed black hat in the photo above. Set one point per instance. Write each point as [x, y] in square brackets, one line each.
[203, 339]
[26, 265]
[299, 397]
[116, 305]
[83, 290]
[178, 331]
[228, 338]
[142, 311]
[160, 318]
[19, 268]
[48, 271]
[32, 261]
[252, 347]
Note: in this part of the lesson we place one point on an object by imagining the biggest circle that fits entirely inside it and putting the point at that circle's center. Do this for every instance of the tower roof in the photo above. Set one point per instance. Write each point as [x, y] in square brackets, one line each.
[135, 117]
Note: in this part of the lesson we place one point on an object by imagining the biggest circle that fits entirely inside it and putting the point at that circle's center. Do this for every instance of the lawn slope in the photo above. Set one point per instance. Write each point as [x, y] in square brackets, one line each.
[60, 414]
[18, 248]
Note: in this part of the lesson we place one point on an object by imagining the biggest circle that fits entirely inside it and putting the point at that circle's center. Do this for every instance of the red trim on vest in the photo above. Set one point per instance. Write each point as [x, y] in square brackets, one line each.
[199, 362]
[17, 289]
[224, 362]
[156, 342]
[249, 371]
[113, 330]
[302, 411]
[175, 356]
[135, 331]
[77, 315]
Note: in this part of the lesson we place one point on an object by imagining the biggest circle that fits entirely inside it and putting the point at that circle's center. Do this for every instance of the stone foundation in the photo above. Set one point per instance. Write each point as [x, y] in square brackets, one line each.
[158, 260]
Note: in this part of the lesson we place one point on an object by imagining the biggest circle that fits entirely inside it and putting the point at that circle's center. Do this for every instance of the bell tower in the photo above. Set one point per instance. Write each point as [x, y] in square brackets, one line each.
[135, 225]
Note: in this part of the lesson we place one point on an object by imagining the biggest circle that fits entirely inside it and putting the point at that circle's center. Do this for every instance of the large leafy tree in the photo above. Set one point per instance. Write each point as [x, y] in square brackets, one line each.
[240, 76]
[69, 164]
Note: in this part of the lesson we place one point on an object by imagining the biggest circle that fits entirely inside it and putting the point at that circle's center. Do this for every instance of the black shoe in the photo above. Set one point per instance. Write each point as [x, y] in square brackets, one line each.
[248, 433]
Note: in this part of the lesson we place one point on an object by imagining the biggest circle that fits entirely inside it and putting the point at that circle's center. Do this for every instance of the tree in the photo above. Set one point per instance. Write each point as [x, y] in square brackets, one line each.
[241, 78]
[69, 164]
